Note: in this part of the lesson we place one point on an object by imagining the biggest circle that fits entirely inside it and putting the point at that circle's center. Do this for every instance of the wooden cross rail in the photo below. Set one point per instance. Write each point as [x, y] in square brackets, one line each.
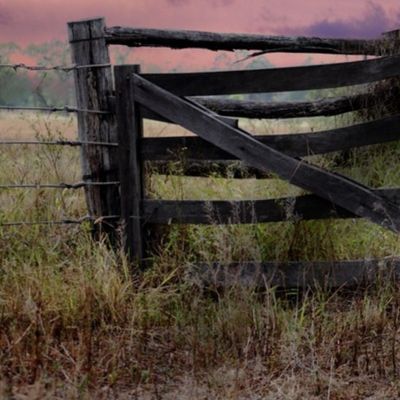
[296, 145]
[278, 110]
[179, 39]
[338, 189]
[221, 212]
[274, 80]
[263, 110]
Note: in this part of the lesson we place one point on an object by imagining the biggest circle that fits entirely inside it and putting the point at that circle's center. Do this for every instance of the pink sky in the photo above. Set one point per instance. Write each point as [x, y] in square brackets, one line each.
[25, 21]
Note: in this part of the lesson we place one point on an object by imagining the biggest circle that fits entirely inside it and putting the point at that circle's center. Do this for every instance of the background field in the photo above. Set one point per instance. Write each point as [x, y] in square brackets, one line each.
[75, 322]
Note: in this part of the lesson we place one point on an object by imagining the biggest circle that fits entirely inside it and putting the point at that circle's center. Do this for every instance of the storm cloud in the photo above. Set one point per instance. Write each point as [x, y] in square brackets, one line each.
[36, 21]
[371, 24]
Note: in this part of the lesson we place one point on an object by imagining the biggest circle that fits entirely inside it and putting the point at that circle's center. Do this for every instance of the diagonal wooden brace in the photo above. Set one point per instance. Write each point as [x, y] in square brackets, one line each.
[335, 188]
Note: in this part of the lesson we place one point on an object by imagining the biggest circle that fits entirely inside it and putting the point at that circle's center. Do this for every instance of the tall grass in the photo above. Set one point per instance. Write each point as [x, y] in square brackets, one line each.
[77, 322]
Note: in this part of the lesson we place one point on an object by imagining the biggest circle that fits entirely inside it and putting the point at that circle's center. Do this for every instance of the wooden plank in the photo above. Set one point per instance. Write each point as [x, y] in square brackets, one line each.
[277, 110]
[296, 274]
[308, 207]
[283, 110]
[298, 145]
[130, 131]
[93, 89]
[338, 189]
[180, 39]
[278, 79]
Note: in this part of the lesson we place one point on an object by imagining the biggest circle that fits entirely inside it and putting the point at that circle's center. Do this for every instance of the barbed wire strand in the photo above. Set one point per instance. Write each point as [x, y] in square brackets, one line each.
[66, 109]
[57, 142]
[64, 68]
[72, 143]
[61, 185]
[86, 218]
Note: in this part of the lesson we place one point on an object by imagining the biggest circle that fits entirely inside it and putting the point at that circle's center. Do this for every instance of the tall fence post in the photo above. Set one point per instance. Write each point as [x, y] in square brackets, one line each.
[130, 132]
[94, 90]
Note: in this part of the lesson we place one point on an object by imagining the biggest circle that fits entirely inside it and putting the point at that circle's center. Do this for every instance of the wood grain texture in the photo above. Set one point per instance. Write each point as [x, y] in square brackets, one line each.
[180, 39]
[338, 189]
[295, 274]
[93, 90]
[130, 131]
[278, 79]
[308, 207]
[297, 145]
[277, 110]
[283, 110]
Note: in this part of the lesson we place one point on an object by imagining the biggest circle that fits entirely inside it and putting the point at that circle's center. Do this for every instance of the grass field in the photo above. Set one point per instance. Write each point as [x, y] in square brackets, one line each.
[76, 323]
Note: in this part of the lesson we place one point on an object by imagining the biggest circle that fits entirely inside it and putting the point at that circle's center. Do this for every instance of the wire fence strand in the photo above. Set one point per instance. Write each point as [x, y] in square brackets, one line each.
[52, 109]
[67, 221]
[73, 143]
[65, 109]
[59, 222]
[64, 68]
[61, 185]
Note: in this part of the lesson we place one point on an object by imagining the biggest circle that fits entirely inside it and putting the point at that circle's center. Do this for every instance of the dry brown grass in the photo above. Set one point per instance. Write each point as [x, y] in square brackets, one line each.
[25, 125]
[76, 323]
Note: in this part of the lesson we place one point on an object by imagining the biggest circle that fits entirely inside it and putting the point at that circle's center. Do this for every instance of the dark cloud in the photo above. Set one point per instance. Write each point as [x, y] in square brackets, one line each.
[371, 24]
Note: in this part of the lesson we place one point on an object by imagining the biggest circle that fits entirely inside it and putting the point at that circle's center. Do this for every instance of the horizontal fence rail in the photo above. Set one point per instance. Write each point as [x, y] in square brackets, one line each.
[217, 212]
[278, 110]
[299, 145]
[180, 39]
[274, 80]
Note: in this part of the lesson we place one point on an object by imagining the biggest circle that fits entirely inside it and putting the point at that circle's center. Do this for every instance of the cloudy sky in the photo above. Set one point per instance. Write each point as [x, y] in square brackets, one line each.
[25, 21]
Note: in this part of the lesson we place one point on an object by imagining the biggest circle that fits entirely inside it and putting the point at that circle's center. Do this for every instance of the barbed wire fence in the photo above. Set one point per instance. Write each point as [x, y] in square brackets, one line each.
[59, 142]
[64, 68]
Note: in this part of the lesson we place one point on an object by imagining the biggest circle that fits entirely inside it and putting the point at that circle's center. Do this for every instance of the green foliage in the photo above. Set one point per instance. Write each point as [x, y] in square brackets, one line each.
[15, 86]
[51, 87]
[22, 88]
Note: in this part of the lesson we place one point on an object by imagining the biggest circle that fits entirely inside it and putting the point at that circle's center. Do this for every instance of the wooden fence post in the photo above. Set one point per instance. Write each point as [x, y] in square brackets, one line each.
[94, 90]
[130, 131]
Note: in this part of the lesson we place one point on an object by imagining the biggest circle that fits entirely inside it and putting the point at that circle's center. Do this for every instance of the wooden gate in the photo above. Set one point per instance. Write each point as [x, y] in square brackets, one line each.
[175, 98]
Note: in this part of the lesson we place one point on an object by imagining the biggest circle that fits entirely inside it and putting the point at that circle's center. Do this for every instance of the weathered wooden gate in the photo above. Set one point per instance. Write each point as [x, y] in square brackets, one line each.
[169, 97]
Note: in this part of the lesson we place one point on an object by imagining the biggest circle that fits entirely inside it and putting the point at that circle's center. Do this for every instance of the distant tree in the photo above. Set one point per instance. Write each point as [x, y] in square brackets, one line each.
[51, 87]
[15, 85]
